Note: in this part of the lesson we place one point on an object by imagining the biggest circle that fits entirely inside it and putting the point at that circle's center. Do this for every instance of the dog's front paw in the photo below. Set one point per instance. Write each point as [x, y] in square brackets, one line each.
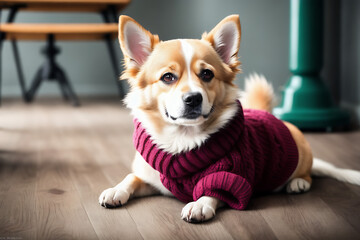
[201, 210]
[113, 197]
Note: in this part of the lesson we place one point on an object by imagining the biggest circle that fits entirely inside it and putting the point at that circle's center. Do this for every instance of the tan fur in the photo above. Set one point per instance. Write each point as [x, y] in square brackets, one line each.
[235, 63]
[303, 170]
[147, 83]
[131, 70]
[150, 99]
[258, 93]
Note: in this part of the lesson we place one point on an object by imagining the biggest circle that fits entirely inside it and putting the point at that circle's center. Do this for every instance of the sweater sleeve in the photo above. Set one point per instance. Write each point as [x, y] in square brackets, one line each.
[228, 187]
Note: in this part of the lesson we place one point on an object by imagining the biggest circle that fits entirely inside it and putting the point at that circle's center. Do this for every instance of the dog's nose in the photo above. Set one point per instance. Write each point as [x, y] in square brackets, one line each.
[192, 99]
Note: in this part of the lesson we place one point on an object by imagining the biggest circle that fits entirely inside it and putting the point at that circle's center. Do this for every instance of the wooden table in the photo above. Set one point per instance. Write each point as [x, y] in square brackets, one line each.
[54, 31]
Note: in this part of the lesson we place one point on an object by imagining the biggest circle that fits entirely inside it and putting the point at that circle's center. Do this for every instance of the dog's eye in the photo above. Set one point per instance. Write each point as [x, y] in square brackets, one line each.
[206, 75]
[168, 78]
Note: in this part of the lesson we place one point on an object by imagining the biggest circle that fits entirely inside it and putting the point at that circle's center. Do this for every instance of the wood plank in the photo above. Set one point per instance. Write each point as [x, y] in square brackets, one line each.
[345, 152]
[158, 217]
[108, 223]
[342, 198]
[304, 216]
[247, 224]
[92, 179]
[18, 175]
[17, 196]
[60, 213]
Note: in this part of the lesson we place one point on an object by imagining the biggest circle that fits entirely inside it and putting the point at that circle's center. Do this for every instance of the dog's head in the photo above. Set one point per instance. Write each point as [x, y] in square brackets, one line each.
[183, 82]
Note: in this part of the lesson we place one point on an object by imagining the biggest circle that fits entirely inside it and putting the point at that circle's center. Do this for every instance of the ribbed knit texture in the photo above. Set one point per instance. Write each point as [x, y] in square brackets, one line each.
[254, 152]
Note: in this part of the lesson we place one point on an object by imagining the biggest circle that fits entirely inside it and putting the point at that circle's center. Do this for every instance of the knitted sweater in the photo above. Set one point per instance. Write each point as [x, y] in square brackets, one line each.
[253, 153]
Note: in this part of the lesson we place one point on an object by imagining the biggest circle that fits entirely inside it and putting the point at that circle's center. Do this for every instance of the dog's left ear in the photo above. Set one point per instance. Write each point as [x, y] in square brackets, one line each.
[225, 39]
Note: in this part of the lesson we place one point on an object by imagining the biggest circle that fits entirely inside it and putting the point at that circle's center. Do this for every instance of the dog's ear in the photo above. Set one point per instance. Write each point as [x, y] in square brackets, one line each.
[225, 39]
[136, 44]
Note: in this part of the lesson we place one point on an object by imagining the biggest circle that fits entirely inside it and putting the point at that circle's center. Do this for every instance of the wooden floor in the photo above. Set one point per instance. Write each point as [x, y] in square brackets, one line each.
[55, 160]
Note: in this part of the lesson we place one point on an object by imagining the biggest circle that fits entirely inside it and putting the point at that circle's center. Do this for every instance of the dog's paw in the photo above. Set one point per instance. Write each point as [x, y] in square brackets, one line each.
[201, 210]
[113, 197]
[298, 185]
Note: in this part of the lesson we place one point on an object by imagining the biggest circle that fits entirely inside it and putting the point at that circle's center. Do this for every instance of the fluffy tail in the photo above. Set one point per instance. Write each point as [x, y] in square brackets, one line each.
[323, 169]
[258, 94]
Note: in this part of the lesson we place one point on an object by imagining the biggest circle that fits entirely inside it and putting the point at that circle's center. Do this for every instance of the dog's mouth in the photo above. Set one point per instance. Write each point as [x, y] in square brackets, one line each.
[190, 115]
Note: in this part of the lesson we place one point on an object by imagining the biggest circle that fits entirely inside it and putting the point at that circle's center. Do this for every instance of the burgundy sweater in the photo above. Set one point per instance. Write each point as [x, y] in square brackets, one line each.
[253, 153]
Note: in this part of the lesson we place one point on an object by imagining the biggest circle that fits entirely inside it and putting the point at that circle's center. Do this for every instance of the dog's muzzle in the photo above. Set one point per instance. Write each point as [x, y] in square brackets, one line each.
[193, 102]
[192, 107]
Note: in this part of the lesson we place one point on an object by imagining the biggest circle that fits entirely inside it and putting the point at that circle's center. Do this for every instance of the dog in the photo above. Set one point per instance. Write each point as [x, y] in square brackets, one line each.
[195, 139]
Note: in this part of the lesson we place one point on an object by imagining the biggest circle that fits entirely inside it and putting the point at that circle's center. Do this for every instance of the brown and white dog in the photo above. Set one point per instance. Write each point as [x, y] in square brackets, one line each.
[163, 76]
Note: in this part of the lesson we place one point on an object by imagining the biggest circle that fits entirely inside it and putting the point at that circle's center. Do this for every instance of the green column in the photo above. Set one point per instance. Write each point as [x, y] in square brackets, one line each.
[306, 101]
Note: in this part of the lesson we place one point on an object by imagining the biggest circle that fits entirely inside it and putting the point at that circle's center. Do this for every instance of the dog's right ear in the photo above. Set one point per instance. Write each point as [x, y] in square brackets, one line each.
[136, 44]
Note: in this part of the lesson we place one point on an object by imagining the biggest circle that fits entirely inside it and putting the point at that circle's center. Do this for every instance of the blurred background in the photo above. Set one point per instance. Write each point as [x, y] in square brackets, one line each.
[264, 45]
[56, 159]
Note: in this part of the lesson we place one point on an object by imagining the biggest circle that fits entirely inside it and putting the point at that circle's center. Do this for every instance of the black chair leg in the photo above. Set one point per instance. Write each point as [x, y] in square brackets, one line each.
[19, 70]
[114, 62]
[51, 71]
[66, 86]
[35, 85]
[10, 18]
[63, 90]
[110, 16]
[1, 43]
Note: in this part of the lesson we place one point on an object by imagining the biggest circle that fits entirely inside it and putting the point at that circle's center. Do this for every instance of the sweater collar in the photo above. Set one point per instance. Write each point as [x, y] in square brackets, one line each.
[217, 146]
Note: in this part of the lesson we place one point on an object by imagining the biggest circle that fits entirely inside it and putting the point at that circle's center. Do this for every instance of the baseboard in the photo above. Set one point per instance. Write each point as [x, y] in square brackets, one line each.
[354, 110]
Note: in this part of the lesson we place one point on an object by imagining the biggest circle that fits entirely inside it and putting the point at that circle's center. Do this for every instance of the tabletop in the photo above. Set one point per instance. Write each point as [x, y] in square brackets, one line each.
[67, 5]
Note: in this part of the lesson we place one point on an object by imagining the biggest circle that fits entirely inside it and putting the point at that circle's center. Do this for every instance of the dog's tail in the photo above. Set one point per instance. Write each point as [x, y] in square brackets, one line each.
[258, 94]
[321, 168]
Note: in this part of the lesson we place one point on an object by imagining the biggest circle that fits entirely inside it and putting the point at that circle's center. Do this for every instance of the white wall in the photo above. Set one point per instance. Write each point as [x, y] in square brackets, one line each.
[350, 56]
